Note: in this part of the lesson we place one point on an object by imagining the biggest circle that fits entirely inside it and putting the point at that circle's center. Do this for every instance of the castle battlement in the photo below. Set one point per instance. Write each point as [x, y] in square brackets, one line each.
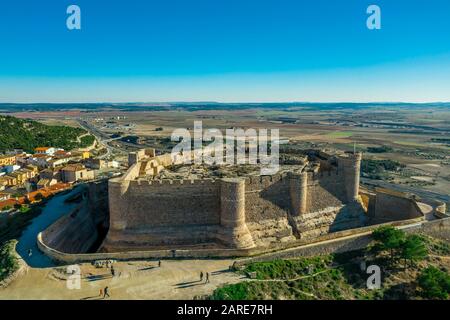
[142, 204]
[262, 180]
[157, 182]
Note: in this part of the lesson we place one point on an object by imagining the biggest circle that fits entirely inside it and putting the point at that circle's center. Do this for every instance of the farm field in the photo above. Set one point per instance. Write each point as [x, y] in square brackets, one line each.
[417, 136]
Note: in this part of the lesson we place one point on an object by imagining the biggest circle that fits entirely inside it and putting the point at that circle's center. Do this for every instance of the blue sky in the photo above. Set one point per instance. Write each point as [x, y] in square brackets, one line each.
[224, 50]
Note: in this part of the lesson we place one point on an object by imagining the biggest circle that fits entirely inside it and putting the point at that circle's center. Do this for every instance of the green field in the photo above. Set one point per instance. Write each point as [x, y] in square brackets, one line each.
[340, 134]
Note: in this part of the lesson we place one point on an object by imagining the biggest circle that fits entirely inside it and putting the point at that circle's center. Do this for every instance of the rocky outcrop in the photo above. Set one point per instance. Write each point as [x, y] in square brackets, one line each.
[331, 219]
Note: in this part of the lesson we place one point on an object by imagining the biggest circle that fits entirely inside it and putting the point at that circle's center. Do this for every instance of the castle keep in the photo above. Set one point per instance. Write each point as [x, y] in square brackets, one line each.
[319, 196]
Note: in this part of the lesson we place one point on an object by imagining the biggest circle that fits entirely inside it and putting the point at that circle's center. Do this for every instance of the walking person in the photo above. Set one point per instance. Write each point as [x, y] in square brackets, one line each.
[201, 276]
[159, 264]
[207, 277]
[113, 272]
[106, 292]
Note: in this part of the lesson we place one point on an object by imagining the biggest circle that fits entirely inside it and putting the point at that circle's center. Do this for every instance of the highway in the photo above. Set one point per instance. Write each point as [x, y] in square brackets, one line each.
[402, 188]
[101, 137]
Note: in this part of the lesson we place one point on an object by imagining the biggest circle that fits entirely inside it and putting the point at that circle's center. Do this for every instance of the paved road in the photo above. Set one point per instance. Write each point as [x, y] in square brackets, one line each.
[402, 188]
[100, 136]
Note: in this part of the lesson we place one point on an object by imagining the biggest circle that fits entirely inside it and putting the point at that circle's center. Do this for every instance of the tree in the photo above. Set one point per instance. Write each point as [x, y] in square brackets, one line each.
[388, 238]
[413, 249]
[38, 197]
[435, 284]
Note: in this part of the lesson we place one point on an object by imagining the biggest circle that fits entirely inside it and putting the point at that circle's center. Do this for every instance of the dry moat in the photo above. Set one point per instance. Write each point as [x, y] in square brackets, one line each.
[162, 208]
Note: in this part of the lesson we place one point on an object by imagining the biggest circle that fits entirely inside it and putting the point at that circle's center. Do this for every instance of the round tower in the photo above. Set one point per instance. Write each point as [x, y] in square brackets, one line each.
[298, 188]
[351, 167]
[233, 231]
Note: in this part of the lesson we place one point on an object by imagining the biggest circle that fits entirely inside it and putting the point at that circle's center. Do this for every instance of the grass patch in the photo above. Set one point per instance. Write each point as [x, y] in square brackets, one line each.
[319, 277]
[288, 269]
[339, 277]
[437, 246]
[340, 134]
[8, 262]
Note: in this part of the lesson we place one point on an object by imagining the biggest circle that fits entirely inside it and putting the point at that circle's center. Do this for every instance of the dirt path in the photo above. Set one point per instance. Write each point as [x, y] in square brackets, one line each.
[292, 279]
[134, 280]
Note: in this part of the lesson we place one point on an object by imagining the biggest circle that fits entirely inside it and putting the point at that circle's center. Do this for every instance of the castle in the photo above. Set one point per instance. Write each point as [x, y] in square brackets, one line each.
[314, 198]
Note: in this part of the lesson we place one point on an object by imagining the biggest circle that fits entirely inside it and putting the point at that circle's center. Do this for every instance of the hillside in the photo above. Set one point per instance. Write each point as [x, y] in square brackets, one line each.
[27, 134]
[339, 276]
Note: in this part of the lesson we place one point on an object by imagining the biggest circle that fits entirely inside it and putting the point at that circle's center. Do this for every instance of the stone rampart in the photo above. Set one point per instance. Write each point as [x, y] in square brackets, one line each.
[254, 211]
[335, 242]
[388, 205]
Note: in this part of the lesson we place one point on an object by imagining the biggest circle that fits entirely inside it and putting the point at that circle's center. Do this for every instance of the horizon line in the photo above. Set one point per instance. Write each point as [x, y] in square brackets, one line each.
[223, 102]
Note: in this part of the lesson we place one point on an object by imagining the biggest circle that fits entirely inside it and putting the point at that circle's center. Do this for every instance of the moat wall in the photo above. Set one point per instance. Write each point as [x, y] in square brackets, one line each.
[387, 205]
[336, 242]
[71, 238]
[83, 229]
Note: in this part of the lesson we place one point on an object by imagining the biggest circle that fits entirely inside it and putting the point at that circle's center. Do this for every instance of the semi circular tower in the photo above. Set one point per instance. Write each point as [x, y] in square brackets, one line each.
[351, 165]
[298, 188]
[233, 231]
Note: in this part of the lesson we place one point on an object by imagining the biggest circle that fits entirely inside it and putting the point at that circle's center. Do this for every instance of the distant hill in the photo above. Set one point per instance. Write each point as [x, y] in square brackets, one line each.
[27, 134]
[197, 106]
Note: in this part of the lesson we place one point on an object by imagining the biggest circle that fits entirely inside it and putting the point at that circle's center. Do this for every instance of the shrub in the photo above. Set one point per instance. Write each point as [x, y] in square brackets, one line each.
[8, 263]
[435, 284]
[413, 248]
[389, 238]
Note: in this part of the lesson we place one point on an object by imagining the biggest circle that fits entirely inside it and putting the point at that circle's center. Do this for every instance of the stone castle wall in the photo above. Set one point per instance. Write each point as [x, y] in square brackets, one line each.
[267, 208]
[248, 217]
[235, 213]
[335, 242]
[172, 203]
[387, 205]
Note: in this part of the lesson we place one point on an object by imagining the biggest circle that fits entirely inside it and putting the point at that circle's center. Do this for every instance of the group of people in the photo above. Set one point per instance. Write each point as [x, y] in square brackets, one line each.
[204, 275]
[104, 292]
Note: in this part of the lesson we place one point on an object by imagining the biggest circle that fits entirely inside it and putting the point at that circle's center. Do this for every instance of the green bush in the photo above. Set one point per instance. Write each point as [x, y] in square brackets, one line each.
[388, 238]
[237, 291]
[413, 248]
[408, 247]
[8, 263]
[435, 284]
[87, 141]
[381, 149]
[376, 168]
[287, 269]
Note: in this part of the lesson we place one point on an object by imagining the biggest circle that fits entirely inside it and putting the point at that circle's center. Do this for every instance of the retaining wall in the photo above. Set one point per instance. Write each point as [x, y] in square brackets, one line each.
[334, 242]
